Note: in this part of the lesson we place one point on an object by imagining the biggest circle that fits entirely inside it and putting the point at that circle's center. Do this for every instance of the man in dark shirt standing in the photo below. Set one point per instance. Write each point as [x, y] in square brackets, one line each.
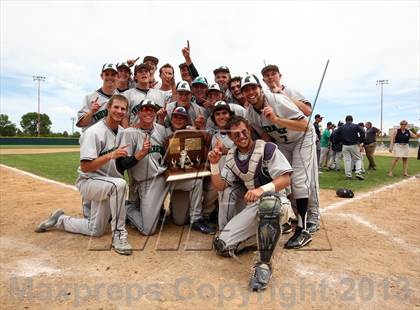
[337, 148]
[351, 135]
[318, 119]
[370, 144]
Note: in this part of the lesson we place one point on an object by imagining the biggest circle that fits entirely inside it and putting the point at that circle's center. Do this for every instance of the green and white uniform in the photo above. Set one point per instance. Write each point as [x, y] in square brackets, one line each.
[194, 110]
[87, 107]
[235, 108]
[298, 147]
[313, 204]
[148, 177]
[105, 188]
[136, 95]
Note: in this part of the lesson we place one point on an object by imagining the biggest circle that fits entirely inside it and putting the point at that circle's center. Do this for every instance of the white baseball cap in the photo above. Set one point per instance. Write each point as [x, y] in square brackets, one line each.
[221, 69]
[124, 65]
[109, 66]
[215, 87]
[148, 103]
[183, 86]
[250, 79]
[200, 80]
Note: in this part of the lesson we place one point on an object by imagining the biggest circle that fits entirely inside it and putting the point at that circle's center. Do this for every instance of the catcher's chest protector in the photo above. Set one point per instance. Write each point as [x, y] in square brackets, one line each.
[251, 171]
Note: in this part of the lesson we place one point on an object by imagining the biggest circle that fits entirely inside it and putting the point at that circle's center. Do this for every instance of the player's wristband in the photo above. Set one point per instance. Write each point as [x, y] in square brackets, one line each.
[269, 187]
[214, 169]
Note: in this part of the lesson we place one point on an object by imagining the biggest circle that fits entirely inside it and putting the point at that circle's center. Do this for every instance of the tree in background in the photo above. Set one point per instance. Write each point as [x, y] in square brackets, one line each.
[30, 120]
[7, 128]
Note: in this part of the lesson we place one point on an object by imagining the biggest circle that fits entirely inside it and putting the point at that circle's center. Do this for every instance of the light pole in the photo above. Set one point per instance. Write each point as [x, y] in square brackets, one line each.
[73, 119]
[382, 82]
[39, 79]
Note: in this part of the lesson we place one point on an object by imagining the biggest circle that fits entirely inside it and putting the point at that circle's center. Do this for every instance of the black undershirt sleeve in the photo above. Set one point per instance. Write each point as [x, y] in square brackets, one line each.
[124, 163]
[193, 71]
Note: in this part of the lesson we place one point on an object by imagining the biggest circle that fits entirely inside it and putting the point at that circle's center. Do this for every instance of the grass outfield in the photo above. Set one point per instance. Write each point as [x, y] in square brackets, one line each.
[334, 180]
[62, 167]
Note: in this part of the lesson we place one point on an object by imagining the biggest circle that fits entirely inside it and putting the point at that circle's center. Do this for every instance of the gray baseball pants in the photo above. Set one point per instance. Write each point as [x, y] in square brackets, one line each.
[243, 225]
[193, 206]
[107, 196]
[351, 154]
[144, 214]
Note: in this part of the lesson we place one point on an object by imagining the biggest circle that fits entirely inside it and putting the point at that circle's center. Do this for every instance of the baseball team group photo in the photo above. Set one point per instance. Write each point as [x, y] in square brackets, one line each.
[172, 168]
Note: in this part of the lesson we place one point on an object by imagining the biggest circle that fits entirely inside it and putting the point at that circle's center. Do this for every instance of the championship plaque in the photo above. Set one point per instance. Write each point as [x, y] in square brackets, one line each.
[187, 155]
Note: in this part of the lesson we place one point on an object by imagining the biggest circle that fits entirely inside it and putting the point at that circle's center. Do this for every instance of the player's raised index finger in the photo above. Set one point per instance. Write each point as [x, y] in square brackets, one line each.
[188, 44]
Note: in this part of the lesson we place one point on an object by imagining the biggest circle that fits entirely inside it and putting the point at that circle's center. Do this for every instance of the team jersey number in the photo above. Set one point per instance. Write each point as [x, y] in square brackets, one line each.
[281, 131]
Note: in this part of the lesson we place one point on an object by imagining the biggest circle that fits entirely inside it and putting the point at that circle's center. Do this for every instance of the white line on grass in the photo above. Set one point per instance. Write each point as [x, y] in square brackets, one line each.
[40, 178]
[363, 221]
[368, 194]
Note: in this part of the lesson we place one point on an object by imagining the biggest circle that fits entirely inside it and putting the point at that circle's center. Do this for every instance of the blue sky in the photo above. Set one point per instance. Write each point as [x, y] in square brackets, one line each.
[68, 41]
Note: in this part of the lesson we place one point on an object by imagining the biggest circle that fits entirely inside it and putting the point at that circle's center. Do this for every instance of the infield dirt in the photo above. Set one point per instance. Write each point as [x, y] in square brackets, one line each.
[365, 256]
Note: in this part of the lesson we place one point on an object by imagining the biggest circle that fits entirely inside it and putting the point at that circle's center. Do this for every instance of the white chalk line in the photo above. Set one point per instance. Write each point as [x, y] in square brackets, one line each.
[368, 194]
[359, 219]
[40, 178]
[356, 218]
[365, 222]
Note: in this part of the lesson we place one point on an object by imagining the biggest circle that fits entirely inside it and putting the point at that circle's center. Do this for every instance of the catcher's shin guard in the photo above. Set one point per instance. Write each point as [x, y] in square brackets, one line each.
[269, 229]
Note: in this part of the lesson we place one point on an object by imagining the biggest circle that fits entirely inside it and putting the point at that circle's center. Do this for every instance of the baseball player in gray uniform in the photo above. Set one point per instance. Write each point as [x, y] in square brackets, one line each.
[229, 204]
[146, 149]
[142, 91]
[260, 168]
[199, 90]
[94, 109]
[94, 106]
[183, 91]
[272, 78]
[192, 187]
[222, 77]
[214, 94]
[277, 116]
[145, 161]
[124, 78]
[152, 62]
[100, 181]
[221, 141]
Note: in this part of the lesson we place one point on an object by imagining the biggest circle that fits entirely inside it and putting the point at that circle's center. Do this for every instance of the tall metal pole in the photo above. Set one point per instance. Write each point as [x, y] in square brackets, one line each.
[39, 79]
[382, 82]
[73, 119]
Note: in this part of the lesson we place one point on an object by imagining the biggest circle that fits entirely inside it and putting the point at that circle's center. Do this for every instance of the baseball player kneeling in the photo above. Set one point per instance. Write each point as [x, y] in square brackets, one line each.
[263, 172]
[100, 181]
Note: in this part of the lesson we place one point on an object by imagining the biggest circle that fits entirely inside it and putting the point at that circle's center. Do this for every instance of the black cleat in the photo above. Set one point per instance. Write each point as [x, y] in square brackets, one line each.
[203, 228]
[286, 228]
[300, 238]
[262, 275]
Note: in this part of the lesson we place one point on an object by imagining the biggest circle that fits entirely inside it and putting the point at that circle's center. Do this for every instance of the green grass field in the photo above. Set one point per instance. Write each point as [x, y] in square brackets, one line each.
[62, 167]
[56, 166]
[334, 180]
